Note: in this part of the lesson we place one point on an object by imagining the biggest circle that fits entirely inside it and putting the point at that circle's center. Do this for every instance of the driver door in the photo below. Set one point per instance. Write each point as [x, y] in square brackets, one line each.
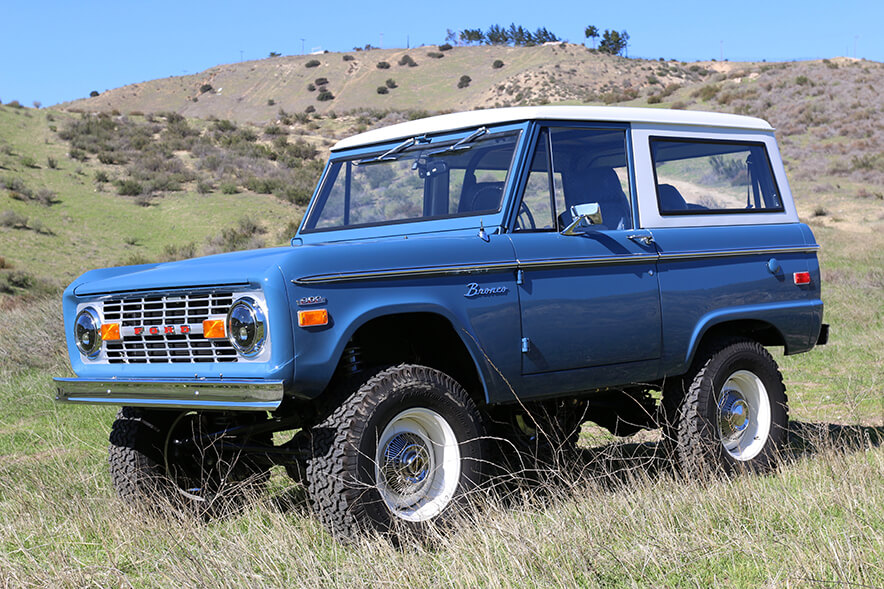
[589, 301]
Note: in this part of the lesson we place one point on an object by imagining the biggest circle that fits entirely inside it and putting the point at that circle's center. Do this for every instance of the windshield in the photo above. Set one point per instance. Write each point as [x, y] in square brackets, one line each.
[416, 181]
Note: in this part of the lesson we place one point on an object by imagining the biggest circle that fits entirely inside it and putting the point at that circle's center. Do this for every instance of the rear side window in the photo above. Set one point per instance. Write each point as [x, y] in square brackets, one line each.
[702, 177]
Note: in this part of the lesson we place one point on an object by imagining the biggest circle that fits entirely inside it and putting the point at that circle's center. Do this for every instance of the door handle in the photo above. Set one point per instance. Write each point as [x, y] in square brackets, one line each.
[643, 238]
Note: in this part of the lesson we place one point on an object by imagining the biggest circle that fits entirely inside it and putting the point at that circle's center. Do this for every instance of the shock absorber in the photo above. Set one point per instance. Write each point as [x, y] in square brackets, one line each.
[352, 359]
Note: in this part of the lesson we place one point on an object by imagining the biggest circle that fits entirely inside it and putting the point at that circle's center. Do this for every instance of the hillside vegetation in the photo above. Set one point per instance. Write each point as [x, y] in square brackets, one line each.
[158, 176]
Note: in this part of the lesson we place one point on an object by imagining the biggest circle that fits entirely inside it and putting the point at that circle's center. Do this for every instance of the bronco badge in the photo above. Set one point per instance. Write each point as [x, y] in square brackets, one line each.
[474, 290]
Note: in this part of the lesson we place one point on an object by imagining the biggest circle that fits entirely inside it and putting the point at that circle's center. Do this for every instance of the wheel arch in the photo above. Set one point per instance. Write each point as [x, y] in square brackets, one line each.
[420, 336]
[764, 332]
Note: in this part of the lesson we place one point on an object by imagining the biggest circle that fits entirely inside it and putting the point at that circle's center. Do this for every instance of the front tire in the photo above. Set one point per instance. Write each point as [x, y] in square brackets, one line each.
[397, 455]
[734, 415]
[162, 459]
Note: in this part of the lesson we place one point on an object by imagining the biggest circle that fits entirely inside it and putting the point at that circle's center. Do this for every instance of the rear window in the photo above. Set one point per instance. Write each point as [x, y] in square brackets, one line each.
[702, 177]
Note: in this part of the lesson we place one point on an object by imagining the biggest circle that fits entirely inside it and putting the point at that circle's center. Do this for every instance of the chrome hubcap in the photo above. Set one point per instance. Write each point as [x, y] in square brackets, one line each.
[734, 416]
[406, 465]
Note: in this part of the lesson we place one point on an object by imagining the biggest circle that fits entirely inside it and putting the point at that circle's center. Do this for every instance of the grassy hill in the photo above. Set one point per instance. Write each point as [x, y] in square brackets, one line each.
[210, 181]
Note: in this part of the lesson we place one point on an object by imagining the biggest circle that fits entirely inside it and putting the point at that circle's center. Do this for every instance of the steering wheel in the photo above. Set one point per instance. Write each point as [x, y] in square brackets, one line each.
[485, 196]
[528, 224]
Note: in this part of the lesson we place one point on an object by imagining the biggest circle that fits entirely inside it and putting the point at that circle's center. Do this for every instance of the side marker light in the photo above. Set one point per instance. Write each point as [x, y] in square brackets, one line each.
[801, 277]
[313, 317]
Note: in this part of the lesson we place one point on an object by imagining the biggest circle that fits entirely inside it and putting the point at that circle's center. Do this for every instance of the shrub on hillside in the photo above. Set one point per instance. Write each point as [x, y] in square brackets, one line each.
[383, 90]
[325, 95]
[228, 188]
[28, 161]
[464, 81]
[497, 64]
[348, 58]
[205, 88]
[271, 102]
[407, 60]
[654, 99]
[14, 104]
[390, 83]
[435, 54]
[320, 81]
[101, 177]
[51, 162]
[706, 92]
[311, 87]
[9, 218]
[93, 94]
[445, 47]
[312, 63]
[383, 65]
[129, 187]
[309, 109]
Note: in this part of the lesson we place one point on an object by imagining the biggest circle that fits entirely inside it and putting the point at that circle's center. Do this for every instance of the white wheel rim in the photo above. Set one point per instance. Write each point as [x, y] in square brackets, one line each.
[744, 415]
[417, 464]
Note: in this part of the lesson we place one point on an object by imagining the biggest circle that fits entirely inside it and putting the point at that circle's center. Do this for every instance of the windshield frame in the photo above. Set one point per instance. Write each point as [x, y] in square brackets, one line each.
[456, 221]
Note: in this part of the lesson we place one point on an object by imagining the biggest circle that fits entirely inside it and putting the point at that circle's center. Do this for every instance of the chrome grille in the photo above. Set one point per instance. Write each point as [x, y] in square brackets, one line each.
[167, 310]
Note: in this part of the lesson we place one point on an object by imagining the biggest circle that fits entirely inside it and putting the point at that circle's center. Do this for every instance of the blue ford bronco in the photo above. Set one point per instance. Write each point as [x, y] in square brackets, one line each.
[457, 282]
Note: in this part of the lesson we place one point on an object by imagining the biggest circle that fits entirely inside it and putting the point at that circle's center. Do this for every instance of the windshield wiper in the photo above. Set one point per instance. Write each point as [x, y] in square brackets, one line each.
[388, 155]
[463, 143]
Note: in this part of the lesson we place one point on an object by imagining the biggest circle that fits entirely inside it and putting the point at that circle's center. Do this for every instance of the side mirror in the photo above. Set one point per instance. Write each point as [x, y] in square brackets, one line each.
[584, 215]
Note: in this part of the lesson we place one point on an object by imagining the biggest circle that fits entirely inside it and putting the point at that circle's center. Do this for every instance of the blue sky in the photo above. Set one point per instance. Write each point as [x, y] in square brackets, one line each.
[60, 50]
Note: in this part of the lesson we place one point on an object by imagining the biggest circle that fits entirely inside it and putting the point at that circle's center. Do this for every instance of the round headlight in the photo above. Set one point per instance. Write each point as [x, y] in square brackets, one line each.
[246, 327]
[87, 332]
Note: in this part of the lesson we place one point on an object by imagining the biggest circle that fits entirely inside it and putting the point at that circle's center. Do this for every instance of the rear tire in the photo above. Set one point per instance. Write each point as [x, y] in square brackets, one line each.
[397, 456]
[734, 415]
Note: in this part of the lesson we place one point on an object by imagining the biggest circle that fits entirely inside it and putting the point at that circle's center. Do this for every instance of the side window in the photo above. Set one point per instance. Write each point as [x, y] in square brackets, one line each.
[702, 177]
[574, 166]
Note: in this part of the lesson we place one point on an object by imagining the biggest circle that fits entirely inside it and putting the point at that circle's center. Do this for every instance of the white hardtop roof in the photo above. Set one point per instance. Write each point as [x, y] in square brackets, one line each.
[606, 114]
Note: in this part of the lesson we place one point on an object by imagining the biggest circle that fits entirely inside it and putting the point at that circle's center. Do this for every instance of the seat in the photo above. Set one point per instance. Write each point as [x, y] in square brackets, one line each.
[670, 198]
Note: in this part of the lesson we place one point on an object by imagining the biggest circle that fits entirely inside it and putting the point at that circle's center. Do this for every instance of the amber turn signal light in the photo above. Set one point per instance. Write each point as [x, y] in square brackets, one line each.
[214, 329]
[110, 331]
[313, 317]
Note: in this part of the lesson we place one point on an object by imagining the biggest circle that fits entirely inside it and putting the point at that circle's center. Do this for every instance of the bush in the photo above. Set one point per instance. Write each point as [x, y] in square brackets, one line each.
[407, 60]
[78, 154]
[28, 162]
[224, 126]
[312, 63]
[383, 90]
[228, 188]
[204, 187]
[271, 102]
[390, 83]
[383, 65]
[311, 87]
[129, 187]
[348, 58]
[93, 94]
[435, 54]
[14, 104]
[325, 95]
[274, 130]
[654, 99]
[802, 80]
[52, 162]
[12, 219]
[310, 109]
[497, 64]
[101, 177]
[706, 92]
[320, 81]
[445, 47]
[205, 88]
[464, 81]
[46, 197]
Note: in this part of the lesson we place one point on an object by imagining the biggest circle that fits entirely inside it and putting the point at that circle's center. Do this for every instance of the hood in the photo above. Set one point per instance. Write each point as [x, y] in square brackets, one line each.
[236, 268]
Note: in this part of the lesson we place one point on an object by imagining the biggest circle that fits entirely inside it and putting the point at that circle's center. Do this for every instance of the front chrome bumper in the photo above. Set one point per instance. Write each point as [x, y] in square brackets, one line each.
[173, 393]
